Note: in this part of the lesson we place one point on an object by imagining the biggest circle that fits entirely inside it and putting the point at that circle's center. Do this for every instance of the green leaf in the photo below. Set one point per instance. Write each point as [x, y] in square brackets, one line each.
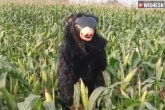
[49, 105]
[39, 105]
[95, 94]
[143, 97]
[29, 102]
[107, 78]
[113, 62]
[129, 77]
[84, 94]
[48, 96]
[45, 77]
[21, 65]
[111, 70]
[135, 58]
[126, 58]
[76, 100]
[9, 99]
[5, 64]
[124, 93]
[148, 64]
[3, 80]
[36, 88]
[149, 106]
[159, 69]
[131, 103]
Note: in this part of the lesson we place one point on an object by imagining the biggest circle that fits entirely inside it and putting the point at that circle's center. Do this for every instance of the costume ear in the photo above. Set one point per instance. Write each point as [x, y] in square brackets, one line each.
[69, 18]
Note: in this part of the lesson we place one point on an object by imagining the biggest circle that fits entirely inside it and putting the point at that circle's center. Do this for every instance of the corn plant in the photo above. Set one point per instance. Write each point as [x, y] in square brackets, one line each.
[29, 39]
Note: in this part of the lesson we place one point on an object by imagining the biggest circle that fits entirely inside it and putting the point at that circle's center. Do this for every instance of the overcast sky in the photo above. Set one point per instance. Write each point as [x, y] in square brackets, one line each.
[124, 2]
[104, 1]
[128, 1]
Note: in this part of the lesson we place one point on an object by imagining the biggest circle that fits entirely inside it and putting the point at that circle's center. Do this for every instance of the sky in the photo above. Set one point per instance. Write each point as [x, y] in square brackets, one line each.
[124, 2]
[129, 2]
[104, 1]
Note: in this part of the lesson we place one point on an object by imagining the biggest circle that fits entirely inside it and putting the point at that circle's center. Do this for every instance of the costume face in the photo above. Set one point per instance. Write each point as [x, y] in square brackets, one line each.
[85, 27]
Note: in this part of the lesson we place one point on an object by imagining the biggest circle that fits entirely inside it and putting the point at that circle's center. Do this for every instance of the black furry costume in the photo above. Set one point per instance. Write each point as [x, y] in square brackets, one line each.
[78, 58]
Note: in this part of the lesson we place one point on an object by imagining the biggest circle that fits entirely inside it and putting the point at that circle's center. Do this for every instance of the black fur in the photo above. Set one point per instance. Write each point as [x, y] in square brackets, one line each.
[78, 58]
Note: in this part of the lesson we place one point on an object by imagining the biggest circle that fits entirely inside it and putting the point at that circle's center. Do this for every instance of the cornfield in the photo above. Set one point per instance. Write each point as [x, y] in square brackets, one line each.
[29, 39]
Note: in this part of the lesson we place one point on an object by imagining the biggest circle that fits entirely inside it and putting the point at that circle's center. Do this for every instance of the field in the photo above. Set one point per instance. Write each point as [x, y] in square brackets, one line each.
[29, 39]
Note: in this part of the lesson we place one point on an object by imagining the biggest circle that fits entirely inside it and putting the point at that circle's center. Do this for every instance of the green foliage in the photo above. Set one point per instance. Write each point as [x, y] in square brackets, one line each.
[29, 38]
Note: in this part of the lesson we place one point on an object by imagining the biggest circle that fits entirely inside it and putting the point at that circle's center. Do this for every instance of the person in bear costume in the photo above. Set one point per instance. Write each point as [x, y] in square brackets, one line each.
[81, 55]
